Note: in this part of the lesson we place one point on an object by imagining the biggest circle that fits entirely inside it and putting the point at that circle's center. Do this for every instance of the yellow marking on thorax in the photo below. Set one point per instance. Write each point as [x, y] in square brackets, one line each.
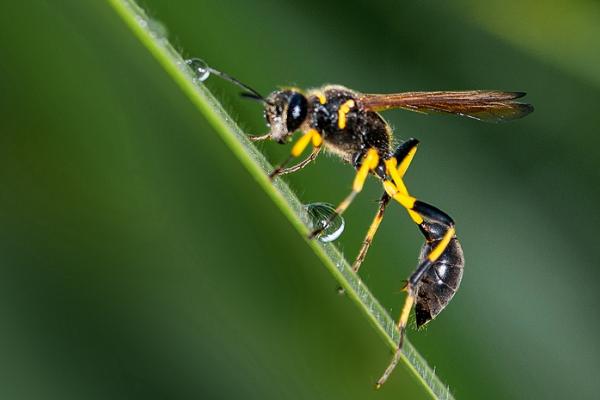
[319, 94]
[321, 97]
[342, 111]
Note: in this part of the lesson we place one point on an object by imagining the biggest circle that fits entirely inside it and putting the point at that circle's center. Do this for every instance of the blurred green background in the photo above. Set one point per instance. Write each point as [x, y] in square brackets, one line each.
[140, 260]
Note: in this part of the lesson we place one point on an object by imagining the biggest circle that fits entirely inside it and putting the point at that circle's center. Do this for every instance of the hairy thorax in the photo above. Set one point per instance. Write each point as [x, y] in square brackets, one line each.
[347, 128]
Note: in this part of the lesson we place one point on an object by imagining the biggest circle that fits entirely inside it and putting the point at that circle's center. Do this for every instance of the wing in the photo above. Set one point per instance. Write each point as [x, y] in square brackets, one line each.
[482, 105]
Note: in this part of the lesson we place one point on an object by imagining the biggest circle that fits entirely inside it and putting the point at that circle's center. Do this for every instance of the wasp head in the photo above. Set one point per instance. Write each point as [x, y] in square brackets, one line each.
[286, 110]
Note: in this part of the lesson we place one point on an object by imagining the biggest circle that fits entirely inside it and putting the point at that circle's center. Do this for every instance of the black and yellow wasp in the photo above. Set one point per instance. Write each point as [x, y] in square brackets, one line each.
[348, 124]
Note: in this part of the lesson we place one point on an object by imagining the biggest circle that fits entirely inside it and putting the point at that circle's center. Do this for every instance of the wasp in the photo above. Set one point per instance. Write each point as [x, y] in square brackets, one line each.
[349, 124]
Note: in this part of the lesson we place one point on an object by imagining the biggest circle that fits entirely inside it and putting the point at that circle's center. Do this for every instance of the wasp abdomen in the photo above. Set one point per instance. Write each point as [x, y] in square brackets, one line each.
[440, 282]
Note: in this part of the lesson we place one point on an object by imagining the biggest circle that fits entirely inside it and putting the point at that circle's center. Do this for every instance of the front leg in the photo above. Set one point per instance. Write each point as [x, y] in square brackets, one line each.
[313, 155]
[259, 138]
[312, 135]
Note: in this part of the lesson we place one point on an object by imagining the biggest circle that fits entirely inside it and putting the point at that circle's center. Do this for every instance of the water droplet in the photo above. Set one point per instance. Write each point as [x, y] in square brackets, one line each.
[200, 69]
[319, 214]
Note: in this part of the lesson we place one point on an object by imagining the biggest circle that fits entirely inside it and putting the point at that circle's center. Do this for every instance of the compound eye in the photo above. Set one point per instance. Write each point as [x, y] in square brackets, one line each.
[296, 112]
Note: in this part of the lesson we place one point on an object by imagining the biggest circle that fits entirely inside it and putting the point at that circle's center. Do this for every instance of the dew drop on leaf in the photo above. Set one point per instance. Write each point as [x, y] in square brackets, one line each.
[319, 214]
[200, 69]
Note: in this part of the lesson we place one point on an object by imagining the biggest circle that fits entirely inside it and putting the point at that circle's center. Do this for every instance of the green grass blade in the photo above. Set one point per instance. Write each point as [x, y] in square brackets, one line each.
[152, 37]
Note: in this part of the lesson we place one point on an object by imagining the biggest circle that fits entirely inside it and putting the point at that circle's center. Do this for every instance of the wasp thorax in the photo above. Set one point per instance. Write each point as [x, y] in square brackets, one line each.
[286, 110]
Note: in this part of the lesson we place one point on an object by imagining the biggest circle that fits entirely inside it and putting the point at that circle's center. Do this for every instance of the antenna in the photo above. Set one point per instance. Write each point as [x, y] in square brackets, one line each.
[203, 71]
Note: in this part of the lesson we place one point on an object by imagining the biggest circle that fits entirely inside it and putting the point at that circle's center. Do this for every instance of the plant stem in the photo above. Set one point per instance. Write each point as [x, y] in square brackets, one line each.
[151, 35]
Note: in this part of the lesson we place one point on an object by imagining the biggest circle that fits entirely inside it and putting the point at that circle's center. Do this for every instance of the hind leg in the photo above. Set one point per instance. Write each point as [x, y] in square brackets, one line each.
[432, 217]
[401, 160]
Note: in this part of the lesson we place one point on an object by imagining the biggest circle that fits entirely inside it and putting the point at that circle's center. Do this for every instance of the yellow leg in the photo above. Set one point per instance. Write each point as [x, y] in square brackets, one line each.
[420, 213]
[311, 136]
[394, 192]
[385, 199]
[375, 226]
[397, 172]
[369, 163]
[405, 163]
[408, 303]
[411, 286]
[425, 211]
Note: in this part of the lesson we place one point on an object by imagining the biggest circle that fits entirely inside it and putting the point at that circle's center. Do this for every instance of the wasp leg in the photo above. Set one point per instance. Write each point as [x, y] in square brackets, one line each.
[383, 203]
[257, 138]
[424, 210]
[370, 161]
[311, 136]
[432, 214]
[402, 159]
[302, 163]
[413, 281]
[396, 167]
